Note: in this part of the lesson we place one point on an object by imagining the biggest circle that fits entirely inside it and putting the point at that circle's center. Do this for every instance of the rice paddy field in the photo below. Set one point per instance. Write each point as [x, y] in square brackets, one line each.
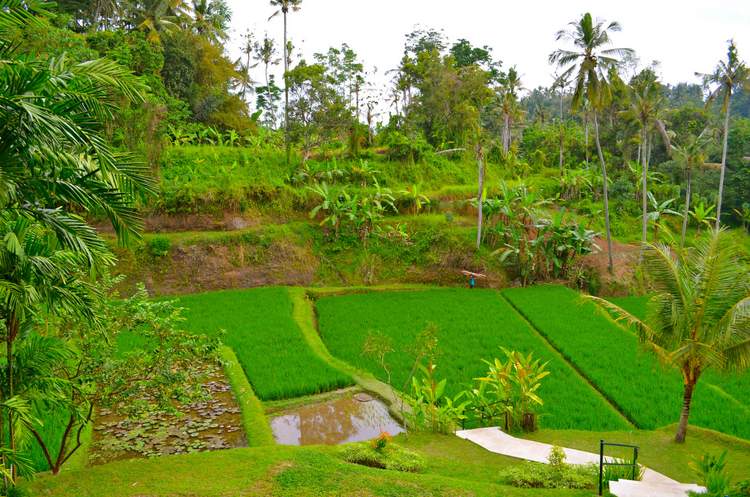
[270, 347]
[472, 325]
[612, 359]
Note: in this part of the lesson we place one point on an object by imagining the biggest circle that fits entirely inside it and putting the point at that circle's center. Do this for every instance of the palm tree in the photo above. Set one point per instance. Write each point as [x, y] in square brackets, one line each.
[155, 16]
[561, 83]
[646, 103]
[284, 7]
[589, 64]
[34, 273]
[211, 19]
[699, 318]
[265, 53]
[510, 84]
[691, 156]
[726, 78]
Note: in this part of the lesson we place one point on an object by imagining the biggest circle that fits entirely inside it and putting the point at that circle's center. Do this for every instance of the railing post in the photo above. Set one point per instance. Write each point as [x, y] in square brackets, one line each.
[635, 461]
[601, 464]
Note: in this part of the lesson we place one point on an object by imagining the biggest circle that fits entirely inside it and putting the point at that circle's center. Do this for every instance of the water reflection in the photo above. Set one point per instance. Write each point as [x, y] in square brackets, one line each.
[335, 422]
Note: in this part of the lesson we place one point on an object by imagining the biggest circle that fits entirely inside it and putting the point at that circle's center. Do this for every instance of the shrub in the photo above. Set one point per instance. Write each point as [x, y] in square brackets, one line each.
[535, 475]
[392, 456]
[158, 246]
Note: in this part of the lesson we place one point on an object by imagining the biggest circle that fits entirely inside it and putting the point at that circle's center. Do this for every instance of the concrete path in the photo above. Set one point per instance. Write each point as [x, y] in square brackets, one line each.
[495, 440]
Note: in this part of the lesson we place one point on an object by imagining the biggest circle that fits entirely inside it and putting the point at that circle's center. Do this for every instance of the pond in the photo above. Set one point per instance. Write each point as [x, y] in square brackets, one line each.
[347, 419]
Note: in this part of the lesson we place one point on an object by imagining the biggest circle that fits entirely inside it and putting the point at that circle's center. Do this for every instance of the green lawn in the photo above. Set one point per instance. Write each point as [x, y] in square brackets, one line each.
[610, 356]
[259, 327]
[472, 324]
[658, 451]
[290, 471]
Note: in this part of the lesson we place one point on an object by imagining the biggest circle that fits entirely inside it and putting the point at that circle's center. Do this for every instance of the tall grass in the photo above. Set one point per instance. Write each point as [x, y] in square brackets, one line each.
[472, 324]
[269, 345]
[648, 392]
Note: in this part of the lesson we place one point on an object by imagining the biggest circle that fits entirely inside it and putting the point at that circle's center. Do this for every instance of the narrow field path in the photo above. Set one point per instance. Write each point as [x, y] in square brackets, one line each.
[570, 363]
[652, 484]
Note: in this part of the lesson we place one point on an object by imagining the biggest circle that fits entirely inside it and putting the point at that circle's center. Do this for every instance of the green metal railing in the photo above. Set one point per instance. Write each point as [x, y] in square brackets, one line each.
[614, 462]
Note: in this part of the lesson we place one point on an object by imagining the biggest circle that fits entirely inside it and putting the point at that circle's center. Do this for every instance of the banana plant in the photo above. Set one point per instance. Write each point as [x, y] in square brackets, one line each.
[744, 215]
[415, 199]
[659, 210]
[702, 215]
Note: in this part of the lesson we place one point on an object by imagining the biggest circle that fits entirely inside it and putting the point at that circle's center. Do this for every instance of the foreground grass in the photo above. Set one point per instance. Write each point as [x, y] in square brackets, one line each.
[648, 392]
[269, 345]
[278, 472]
[658, 451]
[472, 325]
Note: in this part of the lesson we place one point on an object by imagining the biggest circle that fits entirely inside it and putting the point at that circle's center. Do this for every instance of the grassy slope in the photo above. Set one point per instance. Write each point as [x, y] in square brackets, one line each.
[658, 450]
[473, 324]
[287, 471]
[611, 357]
[268, 343]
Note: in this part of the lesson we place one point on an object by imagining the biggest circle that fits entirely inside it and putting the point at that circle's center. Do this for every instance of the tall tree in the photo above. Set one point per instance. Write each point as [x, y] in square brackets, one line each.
[589, 64]
[561, 83]
[266, 54]
[691, 155]
[284, 7]
[510, 85]
[211, 19]
[645, 108]
[699, 318]
[728, 76]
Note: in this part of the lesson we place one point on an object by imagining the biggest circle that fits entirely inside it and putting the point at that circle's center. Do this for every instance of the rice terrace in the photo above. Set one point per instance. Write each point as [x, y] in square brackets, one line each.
[305, 249]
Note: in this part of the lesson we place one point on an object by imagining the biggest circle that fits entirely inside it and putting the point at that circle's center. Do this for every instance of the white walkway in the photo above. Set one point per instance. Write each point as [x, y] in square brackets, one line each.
[653, 484]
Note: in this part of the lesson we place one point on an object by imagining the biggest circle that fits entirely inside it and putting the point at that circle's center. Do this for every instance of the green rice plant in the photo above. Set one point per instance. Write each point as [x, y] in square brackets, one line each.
[610, 356]
[270, 347]
[471, 325]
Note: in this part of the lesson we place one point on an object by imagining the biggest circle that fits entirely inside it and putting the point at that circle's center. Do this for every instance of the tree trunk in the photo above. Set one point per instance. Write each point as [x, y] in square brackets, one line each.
[687, 206]
[605, 192]
[562, 172]
[480, 166]
[586, 136]
[12, 330]
[687, 398]
[723, 164]
[506, 134]
[286, 95]
[644, 191]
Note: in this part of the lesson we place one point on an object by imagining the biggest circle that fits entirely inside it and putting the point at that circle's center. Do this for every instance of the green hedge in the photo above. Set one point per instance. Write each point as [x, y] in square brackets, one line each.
[257, 428]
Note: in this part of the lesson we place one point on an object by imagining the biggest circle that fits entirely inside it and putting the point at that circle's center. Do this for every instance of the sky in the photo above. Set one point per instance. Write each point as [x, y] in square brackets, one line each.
[685, 36]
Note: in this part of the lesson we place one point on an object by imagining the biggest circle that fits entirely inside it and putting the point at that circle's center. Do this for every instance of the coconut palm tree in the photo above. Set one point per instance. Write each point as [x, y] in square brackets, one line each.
[211, 19]
[155, 16]
[510, 84]
[284, 7]
[699, 317]
[646, 105]
[561, 83]
[589, 64]
[691, 156]
[726, 78]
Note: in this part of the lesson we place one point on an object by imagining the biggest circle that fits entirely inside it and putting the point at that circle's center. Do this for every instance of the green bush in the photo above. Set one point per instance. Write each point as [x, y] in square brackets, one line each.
[536, 475]
[393, 457]
[158, 246]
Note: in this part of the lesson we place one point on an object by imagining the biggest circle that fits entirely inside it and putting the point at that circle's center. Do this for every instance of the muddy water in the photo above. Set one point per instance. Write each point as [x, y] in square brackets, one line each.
[334, 422]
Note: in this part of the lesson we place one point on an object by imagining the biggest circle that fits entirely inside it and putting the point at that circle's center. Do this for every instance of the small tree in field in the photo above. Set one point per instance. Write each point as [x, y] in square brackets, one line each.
[699, 318]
